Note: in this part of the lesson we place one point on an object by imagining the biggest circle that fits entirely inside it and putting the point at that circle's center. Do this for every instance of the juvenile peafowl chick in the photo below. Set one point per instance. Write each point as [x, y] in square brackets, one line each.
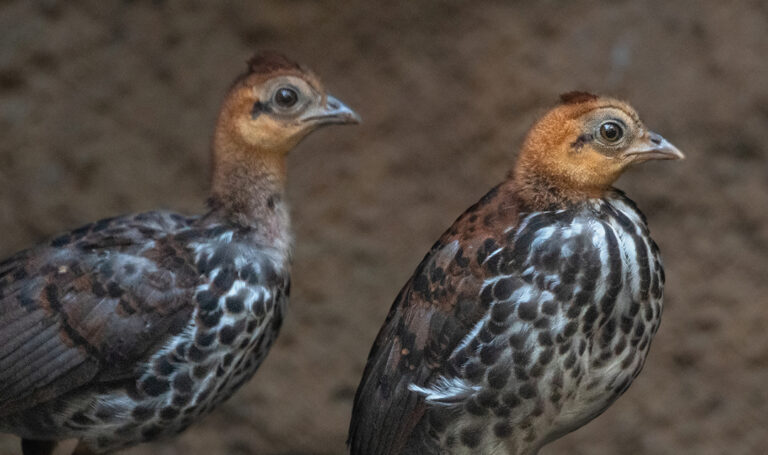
[132, 328]
[534, 311]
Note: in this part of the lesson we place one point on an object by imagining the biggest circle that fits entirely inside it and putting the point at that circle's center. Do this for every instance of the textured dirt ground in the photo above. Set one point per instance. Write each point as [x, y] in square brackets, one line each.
[107, 107]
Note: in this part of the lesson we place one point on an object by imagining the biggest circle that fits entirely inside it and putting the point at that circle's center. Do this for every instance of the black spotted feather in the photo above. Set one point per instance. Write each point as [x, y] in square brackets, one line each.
[430, 316]
[90, 305]
[127, 329]
[509, 332]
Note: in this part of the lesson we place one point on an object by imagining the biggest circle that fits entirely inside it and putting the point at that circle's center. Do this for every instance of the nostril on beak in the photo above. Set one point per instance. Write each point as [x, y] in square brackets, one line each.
[656, 139]
[333, 104]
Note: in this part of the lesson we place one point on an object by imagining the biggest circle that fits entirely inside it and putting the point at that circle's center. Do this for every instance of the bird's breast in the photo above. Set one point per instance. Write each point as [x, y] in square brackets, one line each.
[571, 300]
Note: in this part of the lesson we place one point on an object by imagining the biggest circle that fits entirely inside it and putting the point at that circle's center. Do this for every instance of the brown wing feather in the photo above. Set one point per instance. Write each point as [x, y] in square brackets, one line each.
[90, 305]
[432, 314]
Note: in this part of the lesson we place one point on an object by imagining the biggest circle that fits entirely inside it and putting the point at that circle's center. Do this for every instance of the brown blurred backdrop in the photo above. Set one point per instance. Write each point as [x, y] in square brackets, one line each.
[107, 107]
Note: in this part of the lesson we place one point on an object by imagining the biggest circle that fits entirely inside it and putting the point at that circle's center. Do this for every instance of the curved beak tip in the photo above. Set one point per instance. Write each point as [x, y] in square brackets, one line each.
[332, 112]
[655, 147]
[669, 151]
[354, 118]
[338, 112]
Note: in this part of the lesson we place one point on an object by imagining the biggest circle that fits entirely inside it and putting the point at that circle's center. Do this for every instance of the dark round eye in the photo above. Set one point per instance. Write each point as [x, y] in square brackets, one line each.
[286, 97]
[611, 131]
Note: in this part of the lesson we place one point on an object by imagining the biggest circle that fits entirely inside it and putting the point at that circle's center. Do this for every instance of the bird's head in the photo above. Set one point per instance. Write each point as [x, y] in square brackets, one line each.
[585, 143]
[275, 104]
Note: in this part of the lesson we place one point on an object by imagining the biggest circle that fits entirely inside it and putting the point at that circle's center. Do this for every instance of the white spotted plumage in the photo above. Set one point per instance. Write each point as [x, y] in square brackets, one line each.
[194, 385]
[542, 315]
[597, 383]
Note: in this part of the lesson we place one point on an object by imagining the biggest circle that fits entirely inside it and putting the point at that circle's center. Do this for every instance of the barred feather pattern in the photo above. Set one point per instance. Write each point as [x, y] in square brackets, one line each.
[565, 305]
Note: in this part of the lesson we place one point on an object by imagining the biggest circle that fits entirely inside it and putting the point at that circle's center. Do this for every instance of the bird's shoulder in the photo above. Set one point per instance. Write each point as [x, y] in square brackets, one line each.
[428, 318]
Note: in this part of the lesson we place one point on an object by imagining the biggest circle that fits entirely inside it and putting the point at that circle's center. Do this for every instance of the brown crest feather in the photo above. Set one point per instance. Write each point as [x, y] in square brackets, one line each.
[576, 97]
[269, 61]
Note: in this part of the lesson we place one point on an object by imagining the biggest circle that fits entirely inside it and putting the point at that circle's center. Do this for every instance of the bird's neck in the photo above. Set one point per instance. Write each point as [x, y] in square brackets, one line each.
[537, 192]
[248, 186]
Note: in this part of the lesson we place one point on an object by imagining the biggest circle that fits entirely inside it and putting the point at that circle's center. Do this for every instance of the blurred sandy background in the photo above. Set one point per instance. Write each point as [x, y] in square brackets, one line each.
[107, 107]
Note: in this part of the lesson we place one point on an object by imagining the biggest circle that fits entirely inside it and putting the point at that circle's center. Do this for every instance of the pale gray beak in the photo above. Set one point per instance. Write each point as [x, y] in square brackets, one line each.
[334, 112]
[653, 147]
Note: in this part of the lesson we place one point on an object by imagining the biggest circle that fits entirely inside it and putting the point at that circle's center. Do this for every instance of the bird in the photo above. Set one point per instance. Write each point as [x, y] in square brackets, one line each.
[534, 311]
[131, 328]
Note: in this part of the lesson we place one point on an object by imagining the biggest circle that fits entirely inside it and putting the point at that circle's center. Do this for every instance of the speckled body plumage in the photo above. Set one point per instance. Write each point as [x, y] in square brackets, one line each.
[561, 327]
[218, 293]
[533, 312]
[132, 328]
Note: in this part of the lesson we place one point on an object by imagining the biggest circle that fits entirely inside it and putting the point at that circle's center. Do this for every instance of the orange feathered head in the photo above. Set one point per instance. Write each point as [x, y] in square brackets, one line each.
[582, 145]
[276, 103]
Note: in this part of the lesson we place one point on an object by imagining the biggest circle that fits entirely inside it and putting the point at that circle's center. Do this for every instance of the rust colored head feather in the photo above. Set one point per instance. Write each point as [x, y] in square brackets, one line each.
[581, 146]
[267, 111]
[266, 64]
[269, 62]
[576, 96]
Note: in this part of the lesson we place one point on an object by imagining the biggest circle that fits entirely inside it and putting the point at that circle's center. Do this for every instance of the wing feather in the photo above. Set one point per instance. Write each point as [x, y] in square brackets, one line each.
[90, 305]
[432, 314]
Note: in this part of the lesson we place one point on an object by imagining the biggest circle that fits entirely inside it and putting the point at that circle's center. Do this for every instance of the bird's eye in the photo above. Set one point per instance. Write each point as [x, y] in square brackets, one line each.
[286, 97]
[611, 132]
